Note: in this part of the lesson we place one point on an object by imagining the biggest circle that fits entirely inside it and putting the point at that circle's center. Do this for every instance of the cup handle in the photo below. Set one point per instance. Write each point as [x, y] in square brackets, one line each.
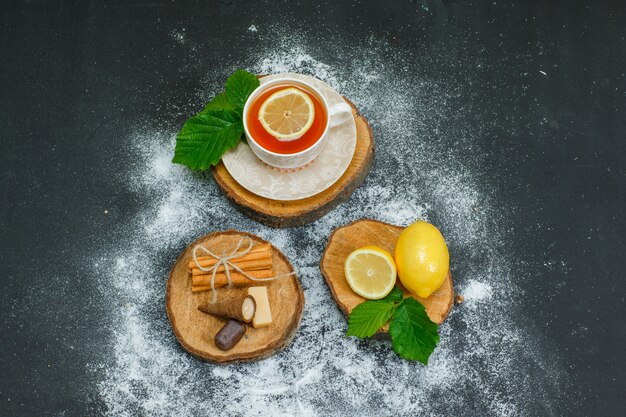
[339, 114]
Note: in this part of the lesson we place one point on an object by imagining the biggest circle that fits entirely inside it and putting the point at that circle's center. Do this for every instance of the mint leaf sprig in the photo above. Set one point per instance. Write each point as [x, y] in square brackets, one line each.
[369, 316]
[218, 128]
[413, 335]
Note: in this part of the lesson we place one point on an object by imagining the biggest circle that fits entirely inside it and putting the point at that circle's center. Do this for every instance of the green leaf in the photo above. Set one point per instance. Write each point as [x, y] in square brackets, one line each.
[205, 137]
[396, 294]
[413, 335]
[368, 317]
[239, 86]
[219, 102]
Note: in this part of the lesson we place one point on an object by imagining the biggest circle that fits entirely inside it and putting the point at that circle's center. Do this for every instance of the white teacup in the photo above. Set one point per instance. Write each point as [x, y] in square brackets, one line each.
[336, 115]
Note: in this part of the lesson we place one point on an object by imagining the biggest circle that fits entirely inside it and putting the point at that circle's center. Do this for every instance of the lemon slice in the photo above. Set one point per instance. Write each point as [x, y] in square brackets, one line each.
[287, 114]
[370, 272]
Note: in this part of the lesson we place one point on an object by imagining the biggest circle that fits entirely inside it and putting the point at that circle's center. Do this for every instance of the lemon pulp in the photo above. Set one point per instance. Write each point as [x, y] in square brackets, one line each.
[287, 114]
[370, 272]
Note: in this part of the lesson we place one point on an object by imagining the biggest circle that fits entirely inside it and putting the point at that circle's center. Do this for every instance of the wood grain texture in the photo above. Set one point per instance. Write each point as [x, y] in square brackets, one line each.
[196, 330]
[299, 212]
[365, 232]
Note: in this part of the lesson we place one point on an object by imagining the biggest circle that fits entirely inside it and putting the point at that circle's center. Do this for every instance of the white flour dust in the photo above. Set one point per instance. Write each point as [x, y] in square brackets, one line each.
[179, 36]
[476, 291]
[426, 167]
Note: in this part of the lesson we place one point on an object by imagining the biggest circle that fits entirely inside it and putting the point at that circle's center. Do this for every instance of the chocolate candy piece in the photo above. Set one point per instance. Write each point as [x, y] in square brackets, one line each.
[229, 335]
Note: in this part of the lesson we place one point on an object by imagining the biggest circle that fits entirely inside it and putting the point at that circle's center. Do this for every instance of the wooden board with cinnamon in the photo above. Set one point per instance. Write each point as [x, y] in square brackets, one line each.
[365, 232]
[189, 294]
[299, 212]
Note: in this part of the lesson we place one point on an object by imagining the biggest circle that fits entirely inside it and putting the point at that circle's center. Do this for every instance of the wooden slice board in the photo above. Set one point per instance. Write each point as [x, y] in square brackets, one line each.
[299, 212]
[365, 232]
[196, 330]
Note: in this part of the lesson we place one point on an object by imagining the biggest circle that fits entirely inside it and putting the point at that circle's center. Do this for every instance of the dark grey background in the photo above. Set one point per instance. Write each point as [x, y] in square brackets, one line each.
[75, 74]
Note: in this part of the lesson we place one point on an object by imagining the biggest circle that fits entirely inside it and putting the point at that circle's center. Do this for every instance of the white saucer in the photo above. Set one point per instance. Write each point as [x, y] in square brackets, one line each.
[259, 178]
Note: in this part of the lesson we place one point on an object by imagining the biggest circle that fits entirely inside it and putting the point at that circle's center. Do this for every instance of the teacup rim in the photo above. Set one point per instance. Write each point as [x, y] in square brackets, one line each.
[278, 80]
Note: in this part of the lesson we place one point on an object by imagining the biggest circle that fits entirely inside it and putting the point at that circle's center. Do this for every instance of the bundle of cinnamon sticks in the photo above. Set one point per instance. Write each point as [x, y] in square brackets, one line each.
[256, 263]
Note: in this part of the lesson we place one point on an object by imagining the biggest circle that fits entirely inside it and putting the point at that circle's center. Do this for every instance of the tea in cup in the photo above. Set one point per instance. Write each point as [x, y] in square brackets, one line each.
[287, 122]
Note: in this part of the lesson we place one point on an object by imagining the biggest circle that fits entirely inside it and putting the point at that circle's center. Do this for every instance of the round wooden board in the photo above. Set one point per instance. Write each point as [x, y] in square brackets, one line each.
[299, 212]
[196, 330]
[365, 232]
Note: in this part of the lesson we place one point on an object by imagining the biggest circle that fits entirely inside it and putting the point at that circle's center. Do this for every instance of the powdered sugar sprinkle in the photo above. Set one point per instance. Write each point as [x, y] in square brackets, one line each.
[421, 171]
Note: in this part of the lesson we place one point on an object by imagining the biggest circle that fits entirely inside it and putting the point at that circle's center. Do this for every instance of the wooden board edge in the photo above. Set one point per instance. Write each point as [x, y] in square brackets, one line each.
[325, 274]
[318, 210]
[344, 308]
[239, 358]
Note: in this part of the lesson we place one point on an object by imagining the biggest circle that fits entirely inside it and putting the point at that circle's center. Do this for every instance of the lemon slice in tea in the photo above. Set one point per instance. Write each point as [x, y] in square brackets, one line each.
[287, 114]
[370, 272]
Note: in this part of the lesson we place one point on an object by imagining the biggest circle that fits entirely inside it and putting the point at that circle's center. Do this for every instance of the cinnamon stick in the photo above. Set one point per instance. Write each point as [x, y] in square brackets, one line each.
[257, 252]
[253, 265]
[236, 279]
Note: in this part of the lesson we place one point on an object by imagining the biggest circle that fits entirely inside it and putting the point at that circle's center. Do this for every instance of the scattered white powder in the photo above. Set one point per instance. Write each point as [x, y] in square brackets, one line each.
[476, 291]
[179, 36]
[427, 166]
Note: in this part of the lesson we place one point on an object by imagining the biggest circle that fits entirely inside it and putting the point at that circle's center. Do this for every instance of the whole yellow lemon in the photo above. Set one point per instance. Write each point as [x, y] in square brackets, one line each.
[422, 258]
